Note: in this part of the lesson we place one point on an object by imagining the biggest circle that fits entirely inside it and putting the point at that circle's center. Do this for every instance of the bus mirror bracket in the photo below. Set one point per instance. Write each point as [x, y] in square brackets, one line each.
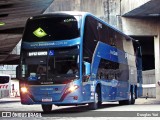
[87, 68]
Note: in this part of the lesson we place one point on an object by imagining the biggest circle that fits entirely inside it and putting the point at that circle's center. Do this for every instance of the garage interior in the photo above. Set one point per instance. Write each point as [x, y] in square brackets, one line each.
[147, 49]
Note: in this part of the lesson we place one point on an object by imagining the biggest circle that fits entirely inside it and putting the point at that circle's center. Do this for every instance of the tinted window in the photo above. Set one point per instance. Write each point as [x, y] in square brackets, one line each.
[4, 79]
[109, 70]
[90, 38]
[109, 36]
[51, 28]
[95, 31]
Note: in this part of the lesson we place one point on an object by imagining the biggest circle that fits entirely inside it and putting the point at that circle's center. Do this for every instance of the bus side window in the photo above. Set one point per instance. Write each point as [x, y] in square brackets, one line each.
[100, 75]
[4, 79]
[108, 70]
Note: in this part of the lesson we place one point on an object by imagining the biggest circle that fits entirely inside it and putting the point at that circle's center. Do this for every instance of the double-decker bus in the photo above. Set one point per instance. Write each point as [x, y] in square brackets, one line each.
[5, 85]
[75, 58]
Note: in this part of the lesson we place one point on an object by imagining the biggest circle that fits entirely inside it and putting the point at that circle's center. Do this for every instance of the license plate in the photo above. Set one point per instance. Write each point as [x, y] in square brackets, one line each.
[46, 99]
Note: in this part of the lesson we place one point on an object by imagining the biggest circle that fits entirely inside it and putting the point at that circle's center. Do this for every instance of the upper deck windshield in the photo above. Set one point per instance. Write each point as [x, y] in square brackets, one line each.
[52, 27]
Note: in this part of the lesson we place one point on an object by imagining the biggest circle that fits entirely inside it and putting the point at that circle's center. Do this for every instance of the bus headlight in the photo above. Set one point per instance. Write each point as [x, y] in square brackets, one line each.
[71, 89]
[24, 89]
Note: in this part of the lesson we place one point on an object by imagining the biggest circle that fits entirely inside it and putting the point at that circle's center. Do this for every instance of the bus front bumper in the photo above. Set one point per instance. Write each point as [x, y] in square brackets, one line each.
[71, 99]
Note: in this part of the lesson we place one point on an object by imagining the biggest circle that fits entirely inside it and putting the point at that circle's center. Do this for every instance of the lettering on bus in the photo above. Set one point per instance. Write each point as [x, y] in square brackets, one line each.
[70, 20]
[113, 52]
[49, 44]
[37, 53]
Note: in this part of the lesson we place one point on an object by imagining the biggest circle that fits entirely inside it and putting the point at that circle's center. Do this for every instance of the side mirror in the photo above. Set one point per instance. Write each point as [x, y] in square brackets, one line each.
[87, 68]
[18, 72]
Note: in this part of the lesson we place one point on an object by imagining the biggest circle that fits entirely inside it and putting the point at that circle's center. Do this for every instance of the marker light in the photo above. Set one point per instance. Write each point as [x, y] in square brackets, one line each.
[24, 89]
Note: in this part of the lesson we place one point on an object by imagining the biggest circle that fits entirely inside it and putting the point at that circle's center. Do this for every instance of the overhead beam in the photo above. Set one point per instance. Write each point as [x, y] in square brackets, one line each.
[11, 31]
[149, 9]
[14, 14]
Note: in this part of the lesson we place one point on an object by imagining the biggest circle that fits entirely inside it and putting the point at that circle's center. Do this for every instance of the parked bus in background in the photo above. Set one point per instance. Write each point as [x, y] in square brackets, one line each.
[5, 85]
[105, 63]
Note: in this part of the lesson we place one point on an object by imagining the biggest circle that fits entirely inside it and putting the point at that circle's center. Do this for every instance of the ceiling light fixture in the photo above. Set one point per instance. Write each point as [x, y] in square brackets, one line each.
[2, 23]
[155, 14]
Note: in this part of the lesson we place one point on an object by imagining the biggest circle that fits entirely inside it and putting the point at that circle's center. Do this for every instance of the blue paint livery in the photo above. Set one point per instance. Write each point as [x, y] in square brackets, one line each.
[111, 90]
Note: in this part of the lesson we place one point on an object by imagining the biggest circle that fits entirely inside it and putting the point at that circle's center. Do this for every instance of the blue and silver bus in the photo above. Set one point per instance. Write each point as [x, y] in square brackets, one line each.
[75, 58]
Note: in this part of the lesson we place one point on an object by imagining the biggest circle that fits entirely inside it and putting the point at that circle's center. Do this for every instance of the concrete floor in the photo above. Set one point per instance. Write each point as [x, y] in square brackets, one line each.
[108, 111]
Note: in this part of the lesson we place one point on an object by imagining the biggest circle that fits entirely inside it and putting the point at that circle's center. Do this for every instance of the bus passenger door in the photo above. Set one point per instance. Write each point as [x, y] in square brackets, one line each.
[86, 83]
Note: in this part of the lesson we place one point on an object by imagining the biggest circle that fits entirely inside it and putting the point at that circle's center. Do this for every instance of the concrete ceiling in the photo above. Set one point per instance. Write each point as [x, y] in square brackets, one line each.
[14, 13]
[149, 9]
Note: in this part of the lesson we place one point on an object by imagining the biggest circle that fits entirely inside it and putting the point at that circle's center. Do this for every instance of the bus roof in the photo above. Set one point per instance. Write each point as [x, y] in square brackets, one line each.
[68, 12]
[84, 14]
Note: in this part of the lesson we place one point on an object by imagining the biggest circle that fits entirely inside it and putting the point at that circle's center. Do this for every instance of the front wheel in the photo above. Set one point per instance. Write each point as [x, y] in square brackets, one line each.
[46, 108]
[94, 105]
[133, 98]
[97, 100]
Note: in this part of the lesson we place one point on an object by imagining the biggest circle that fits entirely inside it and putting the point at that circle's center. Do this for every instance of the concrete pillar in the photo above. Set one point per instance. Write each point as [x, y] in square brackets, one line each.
[157, 62]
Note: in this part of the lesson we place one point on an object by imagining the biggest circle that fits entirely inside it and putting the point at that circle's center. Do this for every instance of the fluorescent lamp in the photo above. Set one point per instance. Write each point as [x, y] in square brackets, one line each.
[2, 23]
[155, 15]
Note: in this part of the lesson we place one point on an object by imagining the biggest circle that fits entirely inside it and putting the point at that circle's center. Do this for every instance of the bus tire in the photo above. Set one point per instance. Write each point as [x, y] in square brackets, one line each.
[132, 95]
[133, 98]
[94, 105]
[128, 102]
[97, 101]
[46, 108]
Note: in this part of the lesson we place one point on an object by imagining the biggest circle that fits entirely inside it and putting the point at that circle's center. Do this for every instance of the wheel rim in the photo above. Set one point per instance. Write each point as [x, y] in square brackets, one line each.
[130, 97]
[134, 96]
[96, 97]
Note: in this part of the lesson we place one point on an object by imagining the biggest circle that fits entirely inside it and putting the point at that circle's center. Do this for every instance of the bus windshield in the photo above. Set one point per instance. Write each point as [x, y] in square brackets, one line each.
[56, 66]
[52, 28]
